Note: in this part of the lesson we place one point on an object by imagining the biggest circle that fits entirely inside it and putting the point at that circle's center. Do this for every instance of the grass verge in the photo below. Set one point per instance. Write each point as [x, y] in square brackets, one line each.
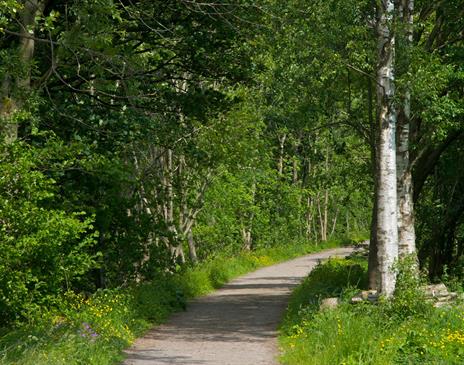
[95, 330]
[402, 331]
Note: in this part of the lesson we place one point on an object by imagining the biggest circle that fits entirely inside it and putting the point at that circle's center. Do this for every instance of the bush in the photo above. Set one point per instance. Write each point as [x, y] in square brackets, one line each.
[409, 297]
[44, 250]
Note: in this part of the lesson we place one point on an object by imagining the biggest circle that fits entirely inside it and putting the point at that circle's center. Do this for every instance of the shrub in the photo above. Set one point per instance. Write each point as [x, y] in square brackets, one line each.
[409, 297]
[44, 250]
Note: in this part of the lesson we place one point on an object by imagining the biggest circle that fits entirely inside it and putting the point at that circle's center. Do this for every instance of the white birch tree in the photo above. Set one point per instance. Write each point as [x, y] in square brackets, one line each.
[406, 232]
[387, 226]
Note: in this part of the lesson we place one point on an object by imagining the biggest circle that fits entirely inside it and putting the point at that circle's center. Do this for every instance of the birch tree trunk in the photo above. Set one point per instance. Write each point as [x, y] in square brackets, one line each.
[373, 264]
[175, 244]
[334, 222]
[387, 223]
[280, 164]
[192, 249]
[326, 214]
[322, 221]
[373, 261]
[309, 217]
[406, 232]
[326, 198]
[248, 225]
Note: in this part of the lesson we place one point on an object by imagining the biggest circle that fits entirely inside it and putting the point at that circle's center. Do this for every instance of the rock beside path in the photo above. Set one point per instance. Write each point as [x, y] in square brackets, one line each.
[439, 295]
[329, 303]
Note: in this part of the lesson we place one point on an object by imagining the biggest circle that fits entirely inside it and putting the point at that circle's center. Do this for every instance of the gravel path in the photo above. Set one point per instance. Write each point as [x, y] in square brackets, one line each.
[236, 325]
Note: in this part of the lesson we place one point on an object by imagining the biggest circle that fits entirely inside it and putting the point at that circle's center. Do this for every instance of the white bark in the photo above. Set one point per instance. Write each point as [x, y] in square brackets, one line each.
[192, 248]
[247, 239]
[248, 225]
[326, 198]
[174, 243]
[280, 164]
[406, 232]
[334, 222]
[309, 217]
[387, 225]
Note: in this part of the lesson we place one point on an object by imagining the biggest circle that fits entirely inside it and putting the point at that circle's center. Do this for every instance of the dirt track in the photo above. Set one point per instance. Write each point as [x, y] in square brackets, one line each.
[236, 325]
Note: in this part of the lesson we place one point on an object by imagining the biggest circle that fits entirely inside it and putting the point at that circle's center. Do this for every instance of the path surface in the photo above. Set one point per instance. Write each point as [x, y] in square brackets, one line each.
[236, 325]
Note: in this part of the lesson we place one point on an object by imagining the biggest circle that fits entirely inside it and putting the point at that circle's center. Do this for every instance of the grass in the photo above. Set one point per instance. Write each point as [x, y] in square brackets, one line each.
[402, 331]
[95, 330]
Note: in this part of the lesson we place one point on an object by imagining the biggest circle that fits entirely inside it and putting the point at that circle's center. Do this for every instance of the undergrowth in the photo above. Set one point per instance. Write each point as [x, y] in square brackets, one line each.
[405, 330]
[95, 329]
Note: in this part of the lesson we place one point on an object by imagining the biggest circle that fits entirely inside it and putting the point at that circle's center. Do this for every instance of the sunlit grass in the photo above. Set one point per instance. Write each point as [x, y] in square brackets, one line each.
[365, 333]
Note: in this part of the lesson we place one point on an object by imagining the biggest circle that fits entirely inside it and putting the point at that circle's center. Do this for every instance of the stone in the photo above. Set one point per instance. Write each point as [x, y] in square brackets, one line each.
[441, 304]
[439, 296]
[356, 299]
[373, 296]
[365, 295]
[329, 303]
[364, 243]
[436, 290]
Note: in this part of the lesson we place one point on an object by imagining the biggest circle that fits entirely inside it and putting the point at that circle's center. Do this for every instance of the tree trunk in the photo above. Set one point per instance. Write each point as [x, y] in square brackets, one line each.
[326, 213]
[373, 264]
[192, 249]
[406, 232]
[248, 227]
[309, 217]
[280, 164]
[174, 242]
[326, 196]
[247, 240]
[347, 224]
[387, 223]
[8, 106]
[334, 222]
[322, 225]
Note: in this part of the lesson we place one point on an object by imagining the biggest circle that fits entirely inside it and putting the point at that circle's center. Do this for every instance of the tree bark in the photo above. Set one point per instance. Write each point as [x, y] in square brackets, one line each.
[309, 217]
[387, 224]
[428, 159]
[280, 164]
[8, 105]
[175, 244]
[406, 231]
[334, 222]
[373, 264]
[192, 249]
[248, 225]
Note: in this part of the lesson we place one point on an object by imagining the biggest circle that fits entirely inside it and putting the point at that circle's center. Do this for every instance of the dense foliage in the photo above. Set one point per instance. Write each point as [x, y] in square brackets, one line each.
[139, 138]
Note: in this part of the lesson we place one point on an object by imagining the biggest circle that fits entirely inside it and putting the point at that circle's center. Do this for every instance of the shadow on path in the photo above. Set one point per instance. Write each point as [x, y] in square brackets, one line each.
[236, 325]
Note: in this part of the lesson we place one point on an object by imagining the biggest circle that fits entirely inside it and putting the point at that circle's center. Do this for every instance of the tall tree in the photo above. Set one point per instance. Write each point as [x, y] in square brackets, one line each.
[15, 87]
[406, 231]
[387, 231]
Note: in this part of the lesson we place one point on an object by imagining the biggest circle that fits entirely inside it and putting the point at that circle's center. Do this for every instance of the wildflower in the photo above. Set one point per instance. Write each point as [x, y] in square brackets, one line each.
[87, 331]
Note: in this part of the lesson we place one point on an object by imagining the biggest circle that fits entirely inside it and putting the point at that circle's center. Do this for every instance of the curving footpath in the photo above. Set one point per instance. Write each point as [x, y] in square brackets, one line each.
[236, 325]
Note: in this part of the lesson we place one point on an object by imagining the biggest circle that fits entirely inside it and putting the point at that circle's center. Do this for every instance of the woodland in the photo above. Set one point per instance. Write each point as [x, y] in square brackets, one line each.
[142, 139]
